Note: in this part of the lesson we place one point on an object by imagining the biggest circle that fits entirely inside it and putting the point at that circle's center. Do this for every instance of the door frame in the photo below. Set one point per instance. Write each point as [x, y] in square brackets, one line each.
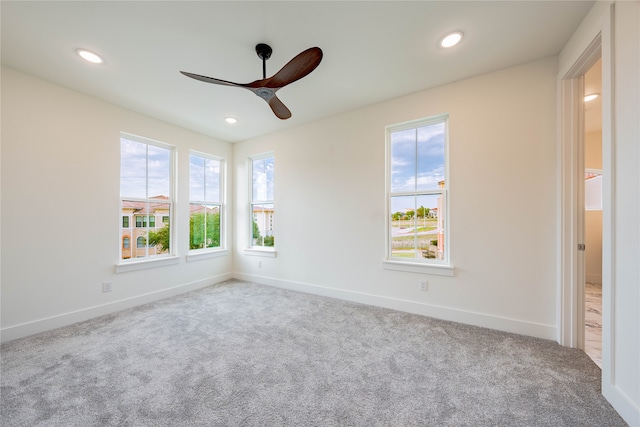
[592, 40]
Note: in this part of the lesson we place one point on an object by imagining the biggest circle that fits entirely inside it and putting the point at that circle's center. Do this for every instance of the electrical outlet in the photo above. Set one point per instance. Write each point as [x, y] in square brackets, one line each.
[106, 286]
[424, 286]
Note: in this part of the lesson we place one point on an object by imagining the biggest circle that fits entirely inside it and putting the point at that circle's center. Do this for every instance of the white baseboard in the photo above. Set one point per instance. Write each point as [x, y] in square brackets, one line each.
[627, 408]
[445, 313]
[41, 325]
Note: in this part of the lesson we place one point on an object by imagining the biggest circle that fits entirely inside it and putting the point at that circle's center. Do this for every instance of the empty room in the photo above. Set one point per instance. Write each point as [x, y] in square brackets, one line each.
[392, 232]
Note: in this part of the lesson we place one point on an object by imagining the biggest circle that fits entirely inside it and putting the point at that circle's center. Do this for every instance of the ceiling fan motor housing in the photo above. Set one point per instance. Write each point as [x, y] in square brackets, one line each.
[264, 51]
[265, 93]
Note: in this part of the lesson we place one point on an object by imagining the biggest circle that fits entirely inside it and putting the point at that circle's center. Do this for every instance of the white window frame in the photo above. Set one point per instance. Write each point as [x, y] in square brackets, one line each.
[157, 260]
[204, 253]
[418, 265]
[267, 251]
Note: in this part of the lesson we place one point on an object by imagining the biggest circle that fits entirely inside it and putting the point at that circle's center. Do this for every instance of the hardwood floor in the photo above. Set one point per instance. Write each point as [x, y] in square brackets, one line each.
[593, 322]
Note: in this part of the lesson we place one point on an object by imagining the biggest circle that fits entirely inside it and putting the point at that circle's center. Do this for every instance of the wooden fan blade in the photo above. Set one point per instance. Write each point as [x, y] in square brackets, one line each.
[212, 80]
[279, 109]
[304, 63]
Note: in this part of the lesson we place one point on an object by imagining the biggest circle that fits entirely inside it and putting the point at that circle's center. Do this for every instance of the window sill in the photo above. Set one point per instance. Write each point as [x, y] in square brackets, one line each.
[414, 267]
[197, 256]
[148, 263]
[271, 253]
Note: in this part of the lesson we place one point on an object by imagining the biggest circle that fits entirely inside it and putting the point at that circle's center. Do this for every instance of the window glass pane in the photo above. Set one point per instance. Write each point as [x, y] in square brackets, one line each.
[263, 224]
[133, 169]
[269, 167]
[403, 225]
[259, 180]
[196, 177]
[262, 179]
[403, 161]
[204, 226]
[416, 227]
[430, 226]
[430, 157]
[160, 235]
[159, 171]
[212, 180]
[125, 222]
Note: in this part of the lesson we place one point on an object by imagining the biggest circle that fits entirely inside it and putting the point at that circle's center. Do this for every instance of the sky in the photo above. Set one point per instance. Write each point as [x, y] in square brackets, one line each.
[204, 179]
[262, 184]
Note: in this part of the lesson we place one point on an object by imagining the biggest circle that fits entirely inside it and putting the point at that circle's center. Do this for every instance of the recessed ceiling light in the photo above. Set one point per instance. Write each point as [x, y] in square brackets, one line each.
[231, 120]
[451, 40]
[89, 56]
[591, 97]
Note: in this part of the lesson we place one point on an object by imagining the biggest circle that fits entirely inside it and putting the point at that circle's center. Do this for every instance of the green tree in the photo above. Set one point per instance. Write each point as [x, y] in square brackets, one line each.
[422, 212]
[410, 214]
[397, 216]
[257, 237]
[204, 230]
[160, 238]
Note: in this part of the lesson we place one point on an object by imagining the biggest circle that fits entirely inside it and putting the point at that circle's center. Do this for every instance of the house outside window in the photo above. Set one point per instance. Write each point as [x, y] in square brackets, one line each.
[206, 186]
[417, 191]
[146, 191]
[262, 200]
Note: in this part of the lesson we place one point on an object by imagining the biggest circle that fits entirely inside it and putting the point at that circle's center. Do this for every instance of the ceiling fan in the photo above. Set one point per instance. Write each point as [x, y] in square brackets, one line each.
[266, 88]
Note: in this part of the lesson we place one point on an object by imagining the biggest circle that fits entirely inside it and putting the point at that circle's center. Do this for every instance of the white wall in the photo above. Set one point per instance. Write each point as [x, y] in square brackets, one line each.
[330, 204]
[60, 215]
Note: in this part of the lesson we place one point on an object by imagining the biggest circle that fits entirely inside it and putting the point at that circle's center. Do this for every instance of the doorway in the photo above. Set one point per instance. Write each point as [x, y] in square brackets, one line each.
[592, 142]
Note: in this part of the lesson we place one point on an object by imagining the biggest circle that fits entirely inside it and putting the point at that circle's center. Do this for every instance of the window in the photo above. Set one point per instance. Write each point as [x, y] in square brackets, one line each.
[593, 189]
[417, 191]
[205, 201]
[125, 222]
[146, 190]
[262, 206]
[125, 243]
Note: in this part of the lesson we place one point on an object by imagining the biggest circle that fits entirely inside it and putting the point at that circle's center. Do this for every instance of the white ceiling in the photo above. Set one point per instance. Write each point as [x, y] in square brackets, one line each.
[373, 51]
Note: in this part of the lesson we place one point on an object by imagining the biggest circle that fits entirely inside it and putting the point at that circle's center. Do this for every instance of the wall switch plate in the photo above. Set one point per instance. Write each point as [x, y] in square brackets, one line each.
[106, 287]
[424, 286]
